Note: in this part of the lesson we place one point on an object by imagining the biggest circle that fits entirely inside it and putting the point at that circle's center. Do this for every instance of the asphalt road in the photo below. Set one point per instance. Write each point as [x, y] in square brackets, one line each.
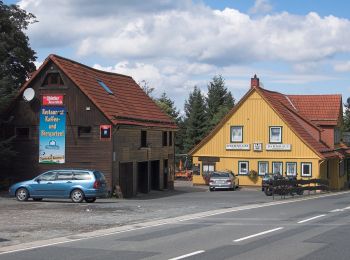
[305, 229]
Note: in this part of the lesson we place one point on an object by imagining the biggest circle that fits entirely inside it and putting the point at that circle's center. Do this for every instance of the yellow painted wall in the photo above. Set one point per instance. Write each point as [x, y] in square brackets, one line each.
[336, 182]
[255, 115]
[232, 165]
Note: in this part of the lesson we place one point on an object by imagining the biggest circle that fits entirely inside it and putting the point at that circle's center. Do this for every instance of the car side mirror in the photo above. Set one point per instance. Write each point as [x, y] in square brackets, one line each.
[37, 180]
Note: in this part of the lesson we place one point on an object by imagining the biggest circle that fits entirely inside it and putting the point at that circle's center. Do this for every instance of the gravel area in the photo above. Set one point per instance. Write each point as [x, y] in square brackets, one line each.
[29, 221]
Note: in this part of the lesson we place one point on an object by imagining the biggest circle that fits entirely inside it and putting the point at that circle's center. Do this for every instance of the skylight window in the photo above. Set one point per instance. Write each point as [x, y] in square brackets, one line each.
[105, 87]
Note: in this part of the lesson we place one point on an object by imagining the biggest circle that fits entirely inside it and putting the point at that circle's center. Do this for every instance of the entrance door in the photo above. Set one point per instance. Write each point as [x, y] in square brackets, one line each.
[155, 180]
[166, 173]
[142, 177]
[126, 179]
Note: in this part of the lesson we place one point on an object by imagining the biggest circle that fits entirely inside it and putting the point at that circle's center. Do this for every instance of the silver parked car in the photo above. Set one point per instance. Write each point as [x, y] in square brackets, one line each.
[223, 180]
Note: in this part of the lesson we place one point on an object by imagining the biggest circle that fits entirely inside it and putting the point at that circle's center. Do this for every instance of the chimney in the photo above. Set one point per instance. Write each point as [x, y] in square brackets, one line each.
[254, 83]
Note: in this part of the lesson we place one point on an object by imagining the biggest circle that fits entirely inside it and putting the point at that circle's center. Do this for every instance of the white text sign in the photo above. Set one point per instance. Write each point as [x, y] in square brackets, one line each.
[278, 147]
[238, 147]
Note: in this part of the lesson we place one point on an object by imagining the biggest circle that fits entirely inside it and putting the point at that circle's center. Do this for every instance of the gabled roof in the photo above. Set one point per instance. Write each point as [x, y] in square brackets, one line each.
[283, 107]
[320, 109]
[128, 104]
[286, 109]
[222, 122]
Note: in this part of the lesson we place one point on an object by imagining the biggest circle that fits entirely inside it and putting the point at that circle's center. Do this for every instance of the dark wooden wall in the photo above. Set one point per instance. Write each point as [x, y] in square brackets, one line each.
[127, 146]
[86, 151]
[81, 152]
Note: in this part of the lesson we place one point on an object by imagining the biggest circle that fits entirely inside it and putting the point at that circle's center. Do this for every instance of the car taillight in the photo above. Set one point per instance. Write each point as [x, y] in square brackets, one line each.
[228, 181]
[97, 184]
[211, 181]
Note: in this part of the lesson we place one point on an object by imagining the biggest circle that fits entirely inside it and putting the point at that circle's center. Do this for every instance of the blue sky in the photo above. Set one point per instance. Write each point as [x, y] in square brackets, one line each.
[294, 46]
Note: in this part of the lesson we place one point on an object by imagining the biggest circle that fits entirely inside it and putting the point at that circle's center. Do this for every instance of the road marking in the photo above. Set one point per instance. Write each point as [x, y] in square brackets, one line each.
[339, 210]
[150, 224]
[306, 220]
[258, 234]
[336, 210]
[187, 255]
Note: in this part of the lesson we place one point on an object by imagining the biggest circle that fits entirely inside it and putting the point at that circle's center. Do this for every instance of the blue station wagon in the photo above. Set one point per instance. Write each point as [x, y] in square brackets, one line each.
[78, 185]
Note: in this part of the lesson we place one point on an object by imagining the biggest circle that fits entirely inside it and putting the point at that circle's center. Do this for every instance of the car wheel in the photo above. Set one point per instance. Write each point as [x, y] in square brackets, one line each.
[300, 192]
[90, 200]
[211, 189]
[22, 194]
[37, 199]
[77, 196]
[268, 192]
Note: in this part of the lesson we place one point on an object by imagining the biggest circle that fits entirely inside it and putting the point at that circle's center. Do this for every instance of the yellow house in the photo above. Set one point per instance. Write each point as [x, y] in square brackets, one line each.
[269, 132]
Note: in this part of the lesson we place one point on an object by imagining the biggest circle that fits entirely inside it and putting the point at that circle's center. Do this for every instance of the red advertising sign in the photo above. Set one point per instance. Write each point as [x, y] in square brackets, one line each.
[52, 100]
[105, 132]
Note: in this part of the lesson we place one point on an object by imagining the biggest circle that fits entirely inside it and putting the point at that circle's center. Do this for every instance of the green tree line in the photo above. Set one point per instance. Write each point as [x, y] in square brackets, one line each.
[201, 113]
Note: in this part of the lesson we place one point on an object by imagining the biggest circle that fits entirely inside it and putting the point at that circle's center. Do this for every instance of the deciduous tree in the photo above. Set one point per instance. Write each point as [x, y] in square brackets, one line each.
[16, 63]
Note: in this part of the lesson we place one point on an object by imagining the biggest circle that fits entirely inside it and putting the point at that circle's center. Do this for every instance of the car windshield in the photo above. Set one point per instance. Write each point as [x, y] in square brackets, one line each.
[220, 174]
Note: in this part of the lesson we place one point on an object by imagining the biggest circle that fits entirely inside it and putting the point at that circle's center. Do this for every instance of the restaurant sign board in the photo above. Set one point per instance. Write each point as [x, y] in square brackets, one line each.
[52, 135]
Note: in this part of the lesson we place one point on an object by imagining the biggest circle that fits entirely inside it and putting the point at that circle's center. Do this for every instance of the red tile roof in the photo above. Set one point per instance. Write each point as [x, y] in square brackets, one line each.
[129, 104]
[285, 109]
[321, 109]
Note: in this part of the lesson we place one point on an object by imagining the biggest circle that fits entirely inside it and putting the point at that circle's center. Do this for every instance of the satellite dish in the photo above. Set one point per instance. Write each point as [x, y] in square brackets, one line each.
[28, 94]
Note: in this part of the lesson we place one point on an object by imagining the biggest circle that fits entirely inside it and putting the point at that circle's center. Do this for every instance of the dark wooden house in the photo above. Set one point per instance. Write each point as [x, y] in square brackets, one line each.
[108, 123]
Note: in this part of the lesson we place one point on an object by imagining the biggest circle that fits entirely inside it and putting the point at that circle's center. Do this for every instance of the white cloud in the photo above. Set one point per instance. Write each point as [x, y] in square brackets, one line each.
[188, 30]
[38, 64]
[139, 71]
[177, 44]
[261, 6]
[342, 66]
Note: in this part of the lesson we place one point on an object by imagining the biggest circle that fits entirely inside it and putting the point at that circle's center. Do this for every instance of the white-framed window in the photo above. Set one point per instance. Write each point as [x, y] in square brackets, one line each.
[275, 134]
[291, 169]
[306, 169]
[236, 134]
[208, 168]
[263, 168]
[277, 168]
[243, 168]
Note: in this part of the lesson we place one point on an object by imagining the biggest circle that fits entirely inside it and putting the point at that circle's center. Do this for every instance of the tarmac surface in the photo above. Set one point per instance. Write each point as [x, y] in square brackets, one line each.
[21, 222]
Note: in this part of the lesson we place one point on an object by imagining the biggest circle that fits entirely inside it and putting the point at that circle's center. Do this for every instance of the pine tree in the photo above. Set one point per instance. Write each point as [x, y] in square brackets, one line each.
[195, 120]
[219, 101]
